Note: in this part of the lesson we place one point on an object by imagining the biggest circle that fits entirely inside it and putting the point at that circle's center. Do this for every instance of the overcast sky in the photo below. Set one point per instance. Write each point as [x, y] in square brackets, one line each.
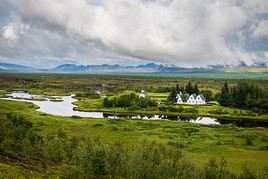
[45, 33]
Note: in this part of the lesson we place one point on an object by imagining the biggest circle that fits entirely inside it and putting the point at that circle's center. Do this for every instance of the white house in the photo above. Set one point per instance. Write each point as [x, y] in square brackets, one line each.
[179, 99]
[143, 94]
[200, 99]
[192, 99]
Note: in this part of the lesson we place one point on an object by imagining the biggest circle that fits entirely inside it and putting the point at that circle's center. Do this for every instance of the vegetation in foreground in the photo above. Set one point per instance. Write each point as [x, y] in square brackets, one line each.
[74, 147]
[86, 148]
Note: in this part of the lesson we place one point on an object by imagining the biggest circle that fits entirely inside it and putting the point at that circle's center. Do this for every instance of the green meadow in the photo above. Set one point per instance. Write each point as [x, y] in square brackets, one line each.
[245, 150]
[239, 146]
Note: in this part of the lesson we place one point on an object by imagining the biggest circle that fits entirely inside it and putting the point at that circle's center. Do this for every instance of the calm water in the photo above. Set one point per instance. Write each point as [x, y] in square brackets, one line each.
[64, 107]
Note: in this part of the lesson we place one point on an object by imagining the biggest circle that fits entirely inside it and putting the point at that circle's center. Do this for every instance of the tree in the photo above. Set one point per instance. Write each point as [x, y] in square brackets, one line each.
[243, 95]
[107, 103]
[177, 88]
[196, 90]
[173, 95]
[98, 161]
[207, 94]
[225, 96]
[189, 88]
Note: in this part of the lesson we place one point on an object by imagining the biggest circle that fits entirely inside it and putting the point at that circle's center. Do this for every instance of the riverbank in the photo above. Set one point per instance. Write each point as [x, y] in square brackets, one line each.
[196, 141]
[64, 106]
[93, 105]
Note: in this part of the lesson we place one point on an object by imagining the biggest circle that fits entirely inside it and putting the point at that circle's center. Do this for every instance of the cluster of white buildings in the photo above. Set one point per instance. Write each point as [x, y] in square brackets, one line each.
[192, 99]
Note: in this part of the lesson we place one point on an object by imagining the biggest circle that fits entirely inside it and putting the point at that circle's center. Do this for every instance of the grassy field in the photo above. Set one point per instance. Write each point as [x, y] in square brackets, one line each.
[239, 146]
[70, 83]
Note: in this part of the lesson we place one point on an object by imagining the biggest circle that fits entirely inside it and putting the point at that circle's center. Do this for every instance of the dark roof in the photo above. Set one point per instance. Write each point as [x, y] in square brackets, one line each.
[202, 97]
[194, 95]
[186, 95]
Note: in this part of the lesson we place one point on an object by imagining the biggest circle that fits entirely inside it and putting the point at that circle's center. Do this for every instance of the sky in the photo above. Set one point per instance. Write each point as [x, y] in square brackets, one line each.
[191, 33]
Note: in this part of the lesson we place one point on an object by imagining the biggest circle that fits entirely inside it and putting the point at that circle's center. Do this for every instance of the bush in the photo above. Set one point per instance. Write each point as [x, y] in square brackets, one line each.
[163, 89]
[90, 94]
[17, 134]
[162, 108]
[176, 144]
[170, 108]
[249, 141]
[88, 157]
[218, 111]
[129, 100]
[191, 110]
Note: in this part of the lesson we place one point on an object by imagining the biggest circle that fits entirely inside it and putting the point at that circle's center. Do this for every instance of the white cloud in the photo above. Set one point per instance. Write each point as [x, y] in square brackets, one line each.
[261, 30]
[183, 32]
[9, 33]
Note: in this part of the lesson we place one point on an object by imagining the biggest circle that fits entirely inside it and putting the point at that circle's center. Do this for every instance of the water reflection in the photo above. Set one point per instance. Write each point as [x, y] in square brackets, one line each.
[62, 106]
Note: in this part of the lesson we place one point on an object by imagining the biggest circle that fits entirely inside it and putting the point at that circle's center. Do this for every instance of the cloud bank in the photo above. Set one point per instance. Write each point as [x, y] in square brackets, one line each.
[181, 32]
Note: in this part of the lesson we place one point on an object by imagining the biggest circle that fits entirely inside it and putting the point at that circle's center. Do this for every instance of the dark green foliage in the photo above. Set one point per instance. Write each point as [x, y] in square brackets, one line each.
[163, 89]
[98, 161]
[17, 134]
[218, 111]
[207, 94]
[244, 95]
[108, 103]
[176, 144]
[196, 90]
[249, 140]
[189, 88]
[170, 108]
[172, 96]
[177, 88]
[90, 94]
[216, 169]
[191, 110]
[225, 96]
[129, 100]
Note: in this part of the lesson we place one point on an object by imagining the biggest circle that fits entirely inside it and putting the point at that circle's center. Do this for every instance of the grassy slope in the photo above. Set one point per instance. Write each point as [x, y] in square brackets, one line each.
[17, 166]
[200, 145]
[13, 171]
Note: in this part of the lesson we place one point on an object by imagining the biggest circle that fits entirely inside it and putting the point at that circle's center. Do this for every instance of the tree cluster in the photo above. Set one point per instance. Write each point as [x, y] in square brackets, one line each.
[128, 100]
[244, 95]
[189, 89]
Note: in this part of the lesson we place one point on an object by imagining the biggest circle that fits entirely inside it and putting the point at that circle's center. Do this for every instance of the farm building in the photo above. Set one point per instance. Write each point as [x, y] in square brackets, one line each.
[143, 94]
[179, 98]
[192, 99]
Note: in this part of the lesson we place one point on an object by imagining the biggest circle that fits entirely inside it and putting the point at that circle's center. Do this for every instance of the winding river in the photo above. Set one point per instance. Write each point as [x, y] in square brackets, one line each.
[63, 106]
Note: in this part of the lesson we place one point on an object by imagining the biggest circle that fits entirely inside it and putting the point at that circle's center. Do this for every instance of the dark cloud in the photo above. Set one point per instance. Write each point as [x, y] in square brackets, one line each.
[189, 33]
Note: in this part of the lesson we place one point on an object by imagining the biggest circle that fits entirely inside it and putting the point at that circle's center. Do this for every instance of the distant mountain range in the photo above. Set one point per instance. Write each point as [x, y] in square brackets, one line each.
[150, 67]
[143, 68]
[14, 67]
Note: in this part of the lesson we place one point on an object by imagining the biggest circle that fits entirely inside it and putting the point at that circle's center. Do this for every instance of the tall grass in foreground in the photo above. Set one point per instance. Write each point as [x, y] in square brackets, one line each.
[88, 157]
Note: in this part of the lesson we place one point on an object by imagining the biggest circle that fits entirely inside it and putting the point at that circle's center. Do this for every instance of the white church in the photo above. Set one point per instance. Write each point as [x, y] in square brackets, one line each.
[143, 94]
[192, 99]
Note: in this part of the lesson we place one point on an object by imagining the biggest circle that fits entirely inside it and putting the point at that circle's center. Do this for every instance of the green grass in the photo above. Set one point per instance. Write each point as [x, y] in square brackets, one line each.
[197, 142]
[11, 171]
[85, 104]
[240, 146]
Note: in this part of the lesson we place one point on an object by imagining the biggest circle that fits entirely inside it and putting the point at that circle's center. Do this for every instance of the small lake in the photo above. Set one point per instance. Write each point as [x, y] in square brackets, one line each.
[63, 106]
